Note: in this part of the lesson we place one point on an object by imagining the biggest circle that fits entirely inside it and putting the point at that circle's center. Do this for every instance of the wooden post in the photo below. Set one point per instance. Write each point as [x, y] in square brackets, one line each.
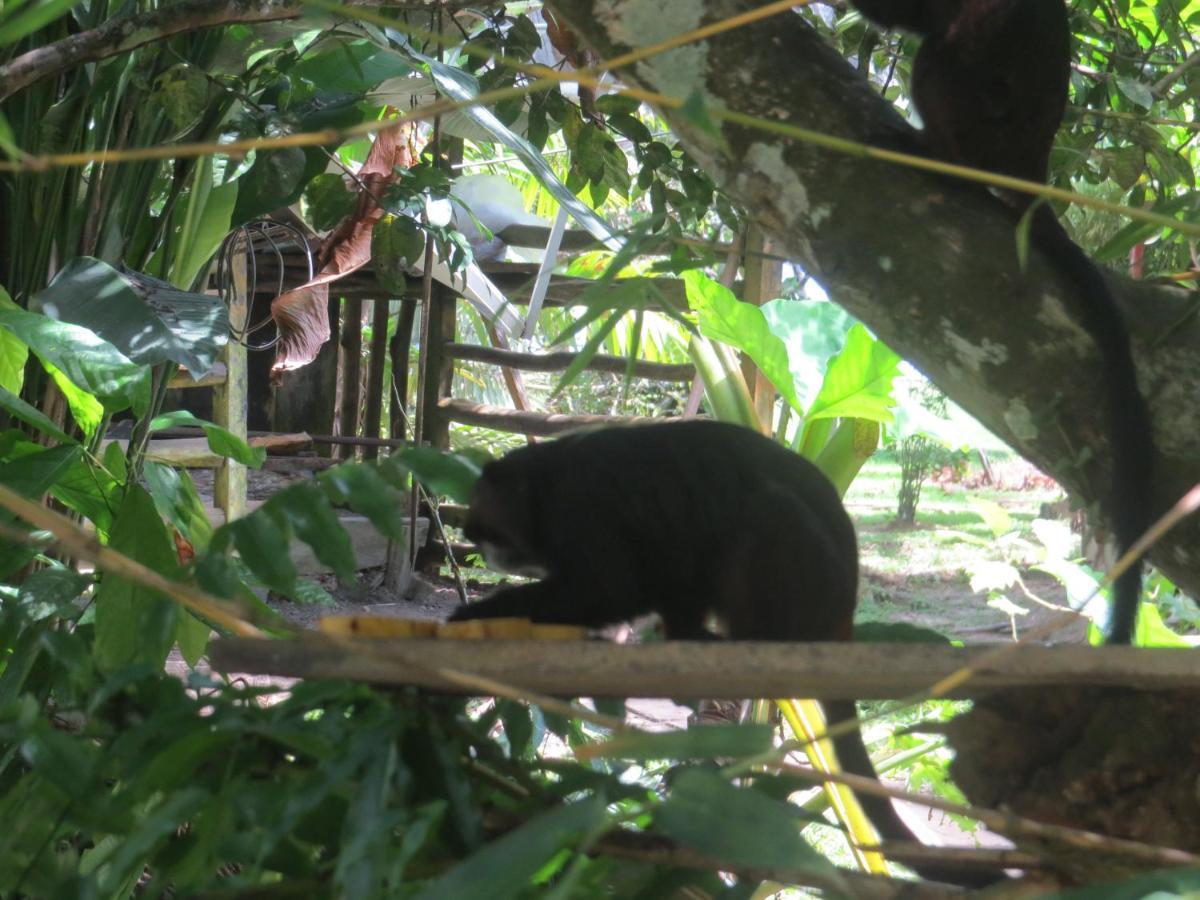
[351, 369]
[399, 351]
[764, 281]
[229, 398]
[439, 372]
[378, 363]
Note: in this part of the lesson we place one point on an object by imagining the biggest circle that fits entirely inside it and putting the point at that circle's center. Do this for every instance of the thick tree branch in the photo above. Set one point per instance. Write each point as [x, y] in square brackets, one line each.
[929, 264]
[125, 33]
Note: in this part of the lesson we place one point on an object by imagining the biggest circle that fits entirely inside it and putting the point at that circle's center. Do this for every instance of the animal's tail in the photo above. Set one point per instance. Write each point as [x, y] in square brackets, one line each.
[1130, 429]
[853, 756]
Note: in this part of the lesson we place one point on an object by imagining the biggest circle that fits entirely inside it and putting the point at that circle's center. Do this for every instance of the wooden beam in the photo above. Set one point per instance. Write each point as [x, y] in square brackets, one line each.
[516, 421]
[718, 669]
[558, 361]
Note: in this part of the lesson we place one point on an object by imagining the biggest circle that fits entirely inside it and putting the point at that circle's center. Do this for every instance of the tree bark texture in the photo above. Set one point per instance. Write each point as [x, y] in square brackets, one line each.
[928, 263]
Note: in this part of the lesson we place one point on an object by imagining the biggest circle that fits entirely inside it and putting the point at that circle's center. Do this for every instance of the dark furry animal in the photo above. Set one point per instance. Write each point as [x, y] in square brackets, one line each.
[990, 82]
[698, 521]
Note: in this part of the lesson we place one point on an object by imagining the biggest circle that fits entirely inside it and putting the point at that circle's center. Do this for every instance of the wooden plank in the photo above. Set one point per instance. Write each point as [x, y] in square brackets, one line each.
[719, 669]
[183, 379]
[558, 361]
[528, 422]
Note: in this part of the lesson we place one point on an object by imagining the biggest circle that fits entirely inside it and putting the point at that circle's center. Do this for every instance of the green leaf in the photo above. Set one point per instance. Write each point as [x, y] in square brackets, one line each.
[263, 546]
[328, 200]
[723, 317]
[443, 473]
[858, 382]
[148, 320]
[362, 488]
[34, 16]
[739, 825]
[460, 85]
[396, 244]
[705, 742]
[305, 509]
[202, 234]
[89, 361]
[192, 636]
[32, 416]
[133, 623]
[617, 104]
[90, 491]
[180, 93]
[8, 145]
[177, 501]
[221, 441]
[13, 353]
[275, 180]
[86, 410]
[506, 867]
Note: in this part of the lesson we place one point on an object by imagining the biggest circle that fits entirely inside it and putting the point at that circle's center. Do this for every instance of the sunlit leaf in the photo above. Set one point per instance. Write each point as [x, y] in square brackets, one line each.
[89, 361]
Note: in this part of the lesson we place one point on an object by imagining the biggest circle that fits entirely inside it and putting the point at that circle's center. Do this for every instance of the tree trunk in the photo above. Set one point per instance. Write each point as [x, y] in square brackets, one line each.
[928, 263]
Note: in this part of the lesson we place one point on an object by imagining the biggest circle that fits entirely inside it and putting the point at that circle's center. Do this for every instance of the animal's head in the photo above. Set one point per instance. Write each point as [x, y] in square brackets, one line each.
[502, 519]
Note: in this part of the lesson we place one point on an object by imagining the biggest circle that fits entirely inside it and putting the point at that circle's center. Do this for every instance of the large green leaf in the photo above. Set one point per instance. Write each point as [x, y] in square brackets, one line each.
[89, 361]
[133, 623]
[146, 319]
[31, 415]
[813, 332]
[32, 473]
[305, 509]
[205, 223]
[13, 353]
[858, 383]
[178, 502]
[707, 813]
[505, 867]
[263, 546]
[447, 474]
[365, 491]
[725, 318]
